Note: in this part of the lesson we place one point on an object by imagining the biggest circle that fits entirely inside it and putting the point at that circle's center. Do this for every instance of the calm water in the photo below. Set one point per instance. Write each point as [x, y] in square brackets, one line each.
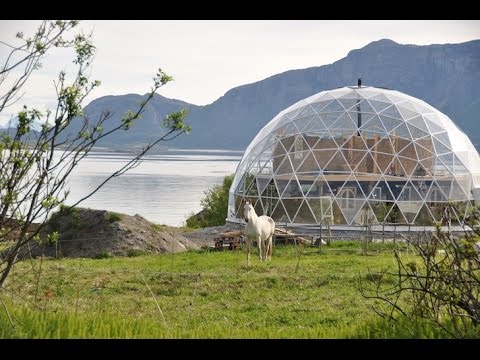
[164, 188]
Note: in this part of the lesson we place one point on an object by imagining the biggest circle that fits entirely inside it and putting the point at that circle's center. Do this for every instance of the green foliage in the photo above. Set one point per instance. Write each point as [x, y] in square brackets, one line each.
[35, 166]
[113, 216]
[215, 206]
[104, 255]
[441, 286]
[206, 295]
[159, 227]
[135, 252]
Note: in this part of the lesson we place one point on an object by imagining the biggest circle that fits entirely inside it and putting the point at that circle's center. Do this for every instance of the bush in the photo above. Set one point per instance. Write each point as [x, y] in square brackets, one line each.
[215, 206]
[113, 216]
[104, 255]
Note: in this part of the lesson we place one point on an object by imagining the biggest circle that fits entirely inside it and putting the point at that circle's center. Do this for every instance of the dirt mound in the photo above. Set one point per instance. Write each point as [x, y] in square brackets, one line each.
[99, 233]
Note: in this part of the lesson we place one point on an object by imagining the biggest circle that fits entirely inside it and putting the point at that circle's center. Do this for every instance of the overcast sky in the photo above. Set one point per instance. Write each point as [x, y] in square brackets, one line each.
[207, 58]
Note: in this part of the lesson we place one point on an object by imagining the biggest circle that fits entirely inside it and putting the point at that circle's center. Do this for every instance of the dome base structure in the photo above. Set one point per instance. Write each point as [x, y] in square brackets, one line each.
[355, 156]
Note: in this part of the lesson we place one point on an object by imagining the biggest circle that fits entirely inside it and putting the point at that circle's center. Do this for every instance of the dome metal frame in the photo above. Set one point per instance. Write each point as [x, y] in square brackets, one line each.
[357, 155]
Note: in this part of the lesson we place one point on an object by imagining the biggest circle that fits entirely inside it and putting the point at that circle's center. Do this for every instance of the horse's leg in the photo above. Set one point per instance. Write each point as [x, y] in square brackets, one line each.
[260, 247]
[270, 246]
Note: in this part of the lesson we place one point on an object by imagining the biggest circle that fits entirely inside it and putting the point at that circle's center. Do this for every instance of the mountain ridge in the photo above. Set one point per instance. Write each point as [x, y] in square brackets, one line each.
[443, 75]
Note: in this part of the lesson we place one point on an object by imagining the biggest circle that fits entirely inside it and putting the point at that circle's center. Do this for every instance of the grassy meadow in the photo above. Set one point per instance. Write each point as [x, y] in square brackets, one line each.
[301, 293]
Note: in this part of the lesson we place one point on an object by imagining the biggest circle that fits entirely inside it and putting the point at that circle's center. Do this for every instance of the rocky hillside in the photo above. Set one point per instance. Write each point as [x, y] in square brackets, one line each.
[99, 233]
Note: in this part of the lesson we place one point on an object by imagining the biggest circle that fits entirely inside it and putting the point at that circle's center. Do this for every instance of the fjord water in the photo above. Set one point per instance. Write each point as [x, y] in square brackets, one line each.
[164, 188]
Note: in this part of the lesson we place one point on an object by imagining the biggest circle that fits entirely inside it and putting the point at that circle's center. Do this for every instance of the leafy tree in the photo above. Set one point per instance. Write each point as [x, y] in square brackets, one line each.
[442, 288]
[215, 206]
[36, 164]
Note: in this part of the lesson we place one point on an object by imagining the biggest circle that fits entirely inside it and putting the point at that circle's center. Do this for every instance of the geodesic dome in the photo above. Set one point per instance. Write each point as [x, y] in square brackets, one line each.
[357, 155]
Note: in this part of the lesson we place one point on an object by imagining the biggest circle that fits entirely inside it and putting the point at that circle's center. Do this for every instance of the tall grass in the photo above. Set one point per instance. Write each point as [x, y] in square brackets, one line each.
[203, 294]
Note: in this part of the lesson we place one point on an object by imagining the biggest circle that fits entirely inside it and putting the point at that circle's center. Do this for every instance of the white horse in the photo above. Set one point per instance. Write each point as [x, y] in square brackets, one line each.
[261, 229]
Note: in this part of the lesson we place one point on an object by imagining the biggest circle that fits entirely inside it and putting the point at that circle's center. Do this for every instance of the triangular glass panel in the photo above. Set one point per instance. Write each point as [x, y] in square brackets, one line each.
[393, 214]
[424, 217]
[436, 194]
[280, 215]
[394, 98]
[258, 207]
[293, 114]
[379, 106]
[329, 118]
[402, 132]
[325, 143]
[408, 151]
[338, 217]
[408, 165]
[262, 183]
[334, 106]
[422, 107]
[268, 205]
[291, 206]
[320, 105]
[420, 189]
[369, 121]
[281, 183]
[365, 216]
[363, 162]
[388, 123]
[304, 122]
[306, 111]
[406, 113]
[323, 157]
[289, 130]
[316, 126]
[352, 184]
[321, 96]
[443, 138]
[458, 193]
[337, 164]
[349, 94]
[309, 164]
[251, 186]
[380, 209]
[392, 112]
[319, 187]
[458, 166]
[239, 202]
[381, 192]
[350, 208]
[441, 170]
[409, 209]
[322, 210]
[447, 161]
[365, 107]
[417, 127]
[419, 172]
[350, 104]
[293, 190]
[428, 166]
[281, 165]
[304, 215]
[343, 124]
[432, 120]
[424, 148]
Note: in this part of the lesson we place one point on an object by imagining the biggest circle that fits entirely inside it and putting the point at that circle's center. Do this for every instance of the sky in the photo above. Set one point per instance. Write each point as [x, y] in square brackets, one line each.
[209, 57]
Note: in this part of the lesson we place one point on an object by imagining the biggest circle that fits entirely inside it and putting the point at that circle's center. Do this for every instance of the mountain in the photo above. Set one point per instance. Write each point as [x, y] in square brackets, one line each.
[445, 76]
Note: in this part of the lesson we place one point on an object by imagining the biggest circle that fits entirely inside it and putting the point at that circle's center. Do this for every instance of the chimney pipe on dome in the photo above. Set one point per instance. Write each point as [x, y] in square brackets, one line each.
[359, 114]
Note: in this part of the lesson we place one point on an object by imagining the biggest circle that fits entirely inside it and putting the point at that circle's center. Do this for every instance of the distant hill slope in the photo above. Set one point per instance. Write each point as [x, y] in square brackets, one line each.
[445, 76]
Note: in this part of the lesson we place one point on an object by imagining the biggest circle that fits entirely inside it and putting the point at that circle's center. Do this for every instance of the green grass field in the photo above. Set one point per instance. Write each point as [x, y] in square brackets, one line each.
[201, 295]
